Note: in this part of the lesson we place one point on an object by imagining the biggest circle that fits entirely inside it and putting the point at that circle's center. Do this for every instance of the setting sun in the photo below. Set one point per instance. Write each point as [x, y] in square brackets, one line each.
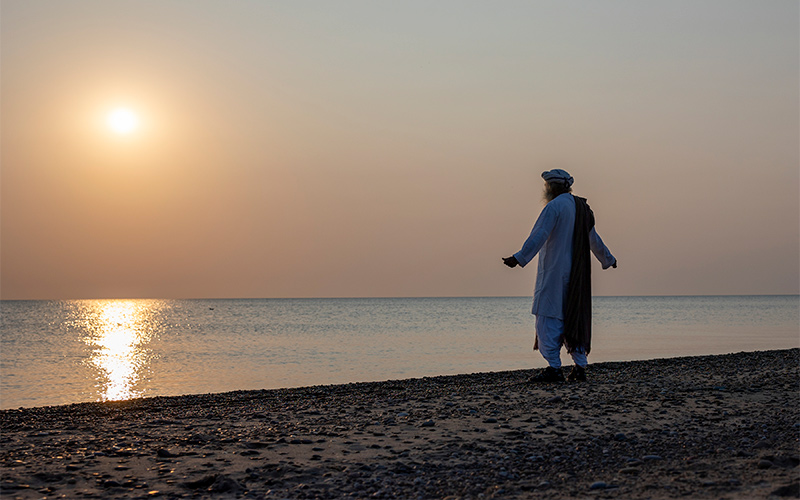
[123, 121]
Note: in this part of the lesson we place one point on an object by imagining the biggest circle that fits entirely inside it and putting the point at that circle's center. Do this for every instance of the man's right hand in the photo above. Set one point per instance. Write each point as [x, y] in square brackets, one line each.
[510, 261]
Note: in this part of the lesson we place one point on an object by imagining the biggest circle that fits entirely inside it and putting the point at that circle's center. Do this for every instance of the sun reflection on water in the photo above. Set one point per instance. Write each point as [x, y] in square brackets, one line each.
[118, 332]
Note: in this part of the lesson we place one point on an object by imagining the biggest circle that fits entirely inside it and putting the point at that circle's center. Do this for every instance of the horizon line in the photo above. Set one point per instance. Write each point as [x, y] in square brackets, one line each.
[400, 297]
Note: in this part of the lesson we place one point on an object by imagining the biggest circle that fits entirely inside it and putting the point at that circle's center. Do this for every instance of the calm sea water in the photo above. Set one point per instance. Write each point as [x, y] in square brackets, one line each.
[58, 352]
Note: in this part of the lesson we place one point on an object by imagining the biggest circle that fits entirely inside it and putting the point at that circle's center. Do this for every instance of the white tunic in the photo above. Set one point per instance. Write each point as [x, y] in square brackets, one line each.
[551, 238]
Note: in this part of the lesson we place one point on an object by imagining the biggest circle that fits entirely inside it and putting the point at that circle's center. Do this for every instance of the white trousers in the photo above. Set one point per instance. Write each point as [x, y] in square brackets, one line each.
[550, 333]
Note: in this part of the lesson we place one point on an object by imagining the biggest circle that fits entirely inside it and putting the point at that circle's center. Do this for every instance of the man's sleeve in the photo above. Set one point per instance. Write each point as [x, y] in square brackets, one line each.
[539, 234]
[600, 250]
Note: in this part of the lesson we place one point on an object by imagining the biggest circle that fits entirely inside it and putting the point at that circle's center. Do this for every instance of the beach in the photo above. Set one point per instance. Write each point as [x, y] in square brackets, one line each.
[723, 426]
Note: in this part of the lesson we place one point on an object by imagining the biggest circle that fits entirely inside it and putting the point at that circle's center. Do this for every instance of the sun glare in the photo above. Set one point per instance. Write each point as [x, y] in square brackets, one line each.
[123, 121]
[119, 334]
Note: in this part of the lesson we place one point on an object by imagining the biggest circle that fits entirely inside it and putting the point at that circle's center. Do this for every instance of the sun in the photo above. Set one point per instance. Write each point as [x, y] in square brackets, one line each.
[123, 121]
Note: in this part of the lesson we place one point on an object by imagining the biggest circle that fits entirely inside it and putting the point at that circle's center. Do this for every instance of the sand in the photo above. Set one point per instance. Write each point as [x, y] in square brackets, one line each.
[718, 427]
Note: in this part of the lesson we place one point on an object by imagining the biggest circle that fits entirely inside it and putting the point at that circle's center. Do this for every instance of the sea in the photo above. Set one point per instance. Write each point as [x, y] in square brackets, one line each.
[70, 351]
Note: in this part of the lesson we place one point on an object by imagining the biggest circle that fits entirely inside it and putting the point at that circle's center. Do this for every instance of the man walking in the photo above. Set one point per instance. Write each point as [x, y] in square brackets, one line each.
[562, 300]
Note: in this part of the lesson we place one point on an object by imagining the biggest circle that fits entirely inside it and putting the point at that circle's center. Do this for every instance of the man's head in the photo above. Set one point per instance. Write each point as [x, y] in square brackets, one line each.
[557, 182]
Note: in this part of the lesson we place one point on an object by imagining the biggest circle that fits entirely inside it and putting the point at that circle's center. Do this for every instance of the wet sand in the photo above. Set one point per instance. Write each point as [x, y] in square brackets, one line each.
[720, 427]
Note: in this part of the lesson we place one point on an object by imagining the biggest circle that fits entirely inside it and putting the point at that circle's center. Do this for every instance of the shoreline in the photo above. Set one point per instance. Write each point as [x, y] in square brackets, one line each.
[720, 426]
[528, 371]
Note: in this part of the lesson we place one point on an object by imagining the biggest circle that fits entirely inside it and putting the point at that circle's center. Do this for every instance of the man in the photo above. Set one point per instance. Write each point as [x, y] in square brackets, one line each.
[562, 301]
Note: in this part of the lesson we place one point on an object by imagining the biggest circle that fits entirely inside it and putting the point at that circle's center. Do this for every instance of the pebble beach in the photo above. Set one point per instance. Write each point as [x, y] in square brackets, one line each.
[721, 427]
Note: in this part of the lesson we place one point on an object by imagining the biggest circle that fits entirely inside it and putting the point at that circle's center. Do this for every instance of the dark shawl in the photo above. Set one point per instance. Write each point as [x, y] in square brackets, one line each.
[578, 308]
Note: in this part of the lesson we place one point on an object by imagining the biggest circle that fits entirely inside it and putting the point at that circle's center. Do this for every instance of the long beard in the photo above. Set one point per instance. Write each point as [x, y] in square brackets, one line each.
[547, 194]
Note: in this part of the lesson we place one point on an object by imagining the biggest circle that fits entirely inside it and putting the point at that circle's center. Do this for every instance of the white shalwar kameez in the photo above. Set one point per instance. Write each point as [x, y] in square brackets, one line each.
[551, 238]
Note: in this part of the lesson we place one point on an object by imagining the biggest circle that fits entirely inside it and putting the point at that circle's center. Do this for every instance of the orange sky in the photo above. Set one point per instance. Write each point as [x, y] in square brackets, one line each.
[358, 148]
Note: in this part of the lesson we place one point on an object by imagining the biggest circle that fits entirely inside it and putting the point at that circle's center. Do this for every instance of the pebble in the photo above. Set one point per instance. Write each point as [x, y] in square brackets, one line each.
[224, 484]
[789, 490]
[764, 464]
[598, 485]
[427, 423]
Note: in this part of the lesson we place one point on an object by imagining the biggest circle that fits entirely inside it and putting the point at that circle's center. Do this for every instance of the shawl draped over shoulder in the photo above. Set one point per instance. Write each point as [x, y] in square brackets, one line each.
[578, 307]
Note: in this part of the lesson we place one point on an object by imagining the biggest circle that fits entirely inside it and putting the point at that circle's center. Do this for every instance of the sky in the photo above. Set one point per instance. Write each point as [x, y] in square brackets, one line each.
[393, 149]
